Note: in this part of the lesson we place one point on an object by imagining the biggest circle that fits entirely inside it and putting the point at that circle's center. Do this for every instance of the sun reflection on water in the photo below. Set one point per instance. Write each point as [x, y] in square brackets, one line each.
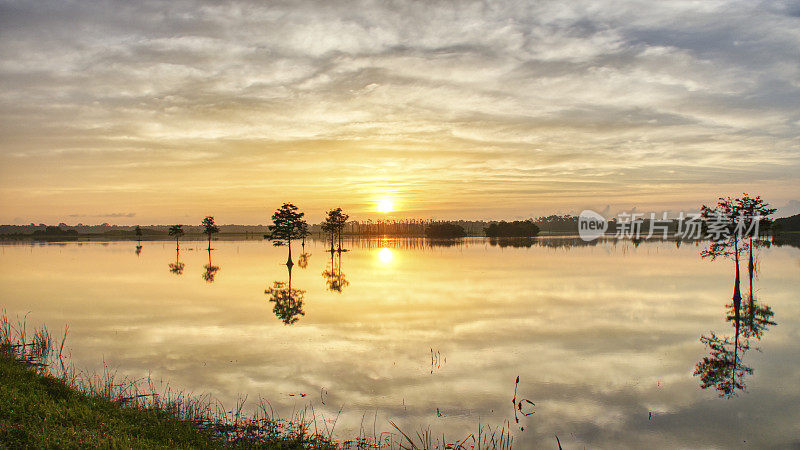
[385, 256]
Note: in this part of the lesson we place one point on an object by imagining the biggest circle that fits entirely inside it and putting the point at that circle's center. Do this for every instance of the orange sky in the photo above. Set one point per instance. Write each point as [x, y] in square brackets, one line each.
[141, 114]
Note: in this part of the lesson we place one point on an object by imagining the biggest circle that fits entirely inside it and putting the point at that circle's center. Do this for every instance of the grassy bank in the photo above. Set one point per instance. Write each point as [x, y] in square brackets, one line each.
[43, 411]
[46, 403]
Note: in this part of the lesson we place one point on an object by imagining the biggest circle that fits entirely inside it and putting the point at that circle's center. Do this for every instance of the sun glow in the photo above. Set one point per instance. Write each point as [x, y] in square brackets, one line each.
[385, 256]
[385, 205]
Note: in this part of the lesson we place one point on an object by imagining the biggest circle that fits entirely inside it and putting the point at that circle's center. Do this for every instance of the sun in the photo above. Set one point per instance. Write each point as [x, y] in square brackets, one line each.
[385, 205]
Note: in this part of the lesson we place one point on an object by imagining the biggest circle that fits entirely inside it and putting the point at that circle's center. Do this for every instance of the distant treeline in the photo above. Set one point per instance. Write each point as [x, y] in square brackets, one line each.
[791, 223]
[450, 228]
[553, 224]
[122, 230]
[444, 231]
[517, 228]
[411, 227]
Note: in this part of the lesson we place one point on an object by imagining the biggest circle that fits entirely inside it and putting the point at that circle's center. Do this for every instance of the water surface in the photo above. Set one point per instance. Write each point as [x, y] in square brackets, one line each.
[604, 338]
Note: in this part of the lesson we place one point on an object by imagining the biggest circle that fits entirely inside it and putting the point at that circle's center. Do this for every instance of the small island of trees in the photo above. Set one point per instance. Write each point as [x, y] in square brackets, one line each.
[444, 230]
[52, 232]
[517, 228]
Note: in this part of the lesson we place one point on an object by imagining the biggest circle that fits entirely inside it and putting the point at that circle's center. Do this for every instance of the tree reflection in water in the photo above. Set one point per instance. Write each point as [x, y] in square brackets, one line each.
[334, 278]
[302, 261]
[724, 368]
[288, 301]
[211, 270]
[177, 267]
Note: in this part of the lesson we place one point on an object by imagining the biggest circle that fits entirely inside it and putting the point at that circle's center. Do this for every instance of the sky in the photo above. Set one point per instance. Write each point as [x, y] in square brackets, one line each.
[163, 112]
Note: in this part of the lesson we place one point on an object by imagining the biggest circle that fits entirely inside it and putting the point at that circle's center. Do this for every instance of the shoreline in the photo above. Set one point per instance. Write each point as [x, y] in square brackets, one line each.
[45, 402]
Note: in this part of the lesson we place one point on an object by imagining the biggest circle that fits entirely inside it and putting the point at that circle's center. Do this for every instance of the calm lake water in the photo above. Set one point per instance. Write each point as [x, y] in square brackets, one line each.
[604, 338]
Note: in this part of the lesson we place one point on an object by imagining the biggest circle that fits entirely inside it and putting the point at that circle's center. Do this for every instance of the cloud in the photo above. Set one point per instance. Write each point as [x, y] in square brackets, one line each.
[517, 97]
[790, 209]
[109, 216]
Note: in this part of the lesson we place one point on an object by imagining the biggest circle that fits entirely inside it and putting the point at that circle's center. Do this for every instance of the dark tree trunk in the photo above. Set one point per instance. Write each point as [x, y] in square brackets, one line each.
[750, 270]
[737, 296]
[735, 351]
[737, 302]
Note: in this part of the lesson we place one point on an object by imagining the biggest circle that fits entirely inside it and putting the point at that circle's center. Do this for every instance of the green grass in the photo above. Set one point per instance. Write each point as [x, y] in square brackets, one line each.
[43, 411]
[45, 404]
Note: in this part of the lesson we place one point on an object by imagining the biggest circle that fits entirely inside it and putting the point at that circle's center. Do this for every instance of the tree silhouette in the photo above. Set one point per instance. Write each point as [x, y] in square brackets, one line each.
[334, 224]
[176, 231]
[341, 222]
[287, 224]
[730, 222]
[303, 234]
[329, 228]
[288, 301]
[723, 368]
[177, 267]
[211, 270]
[138, 231]
[752, 209]
[209, 228]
